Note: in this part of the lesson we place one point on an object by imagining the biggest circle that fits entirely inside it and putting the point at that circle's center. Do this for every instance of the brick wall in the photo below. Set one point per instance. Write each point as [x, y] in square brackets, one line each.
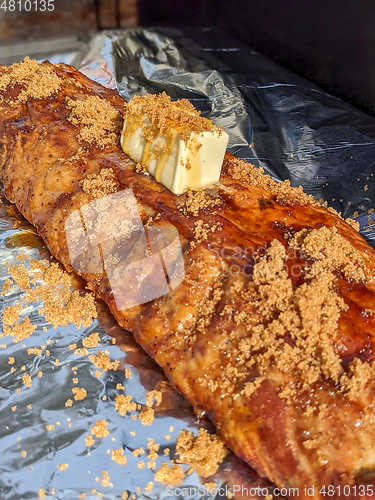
[69, 17]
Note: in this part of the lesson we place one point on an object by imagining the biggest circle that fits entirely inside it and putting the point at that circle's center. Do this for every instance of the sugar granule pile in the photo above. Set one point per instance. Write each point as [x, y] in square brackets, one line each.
[62, 305]
[37, 81]
[161, 112]
[204, 452]
[101, 184]
[98, 121]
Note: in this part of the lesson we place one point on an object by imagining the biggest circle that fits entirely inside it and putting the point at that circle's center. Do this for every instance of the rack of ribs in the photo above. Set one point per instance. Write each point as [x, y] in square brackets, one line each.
[271, 331]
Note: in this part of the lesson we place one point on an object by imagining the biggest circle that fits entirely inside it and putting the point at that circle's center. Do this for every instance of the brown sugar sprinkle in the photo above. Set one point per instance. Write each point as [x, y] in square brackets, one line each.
[187, 163]
[118, 456]
[153, 396]
[138, 452]
[354, 382]
[6, 286]
[79, 393]
[68, 307]
[162, 112]
[124, 404]
[91, 340]
[20, 275]
[37, 81]
[89, 441]
[308, 315]
[153, 449]
[242, 171]
[106, 479]
[355, 225]
[204, 452]
[369, 312]
[62, 305]
[99, 122]
[20, 331]
[207, 303]
[63, 466]
[35, 351]
[101, 360]
[100, 430]
[149, 487]
[197, 201]
[101, 184]
[151, 219]
[140, 168]
[331, 251]
[26, 379]
[10, 315]
[146, 416]
[169, 475]
[201, 230]
[81, 352]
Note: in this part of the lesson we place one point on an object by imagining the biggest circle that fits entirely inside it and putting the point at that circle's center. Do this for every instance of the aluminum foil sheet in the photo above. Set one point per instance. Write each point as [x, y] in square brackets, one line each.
[275, 120]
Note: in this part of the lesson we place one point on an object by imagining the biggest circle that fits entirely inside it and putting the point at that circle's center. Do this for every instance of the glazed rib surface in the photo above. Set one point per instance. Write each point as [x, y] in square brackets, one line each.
[272, 330]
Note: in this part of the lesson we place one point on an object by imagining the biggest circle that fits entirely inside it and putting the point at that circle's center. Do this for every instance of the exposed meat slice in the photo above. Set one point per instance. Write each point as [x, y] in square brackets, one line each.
[272, 329]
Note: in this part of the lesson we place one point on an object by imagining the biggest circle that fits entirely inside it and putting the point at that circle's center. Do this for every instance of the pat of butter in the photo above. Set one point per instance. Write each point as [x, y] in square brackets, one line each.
[181, 149]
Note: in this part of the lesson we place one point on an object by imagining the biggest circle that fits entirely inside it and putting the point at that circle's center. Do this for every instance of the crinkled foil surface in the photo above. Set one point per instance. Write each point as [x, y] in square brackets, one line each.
[275, 120]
